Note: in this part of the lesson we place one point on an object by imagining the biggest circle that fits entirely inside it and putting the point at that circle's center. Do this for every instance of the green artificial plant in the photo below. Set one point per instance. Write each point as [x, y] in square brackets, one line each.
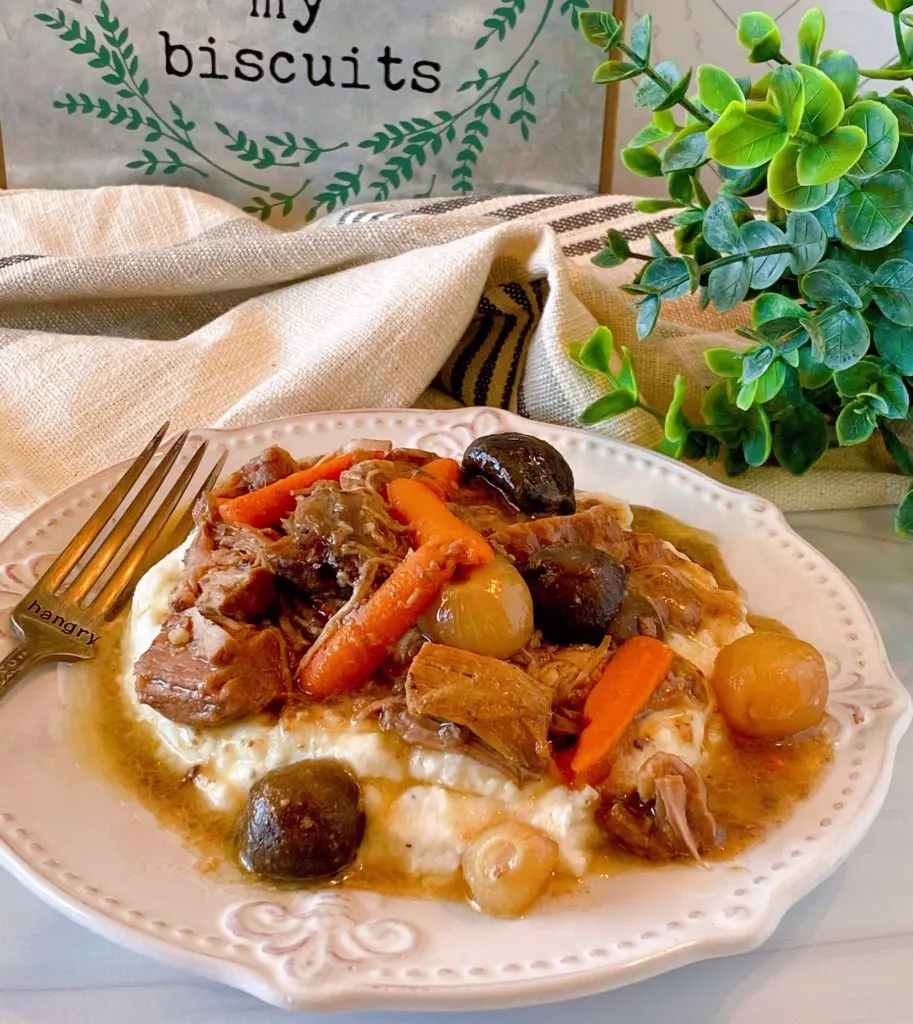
[830, 269]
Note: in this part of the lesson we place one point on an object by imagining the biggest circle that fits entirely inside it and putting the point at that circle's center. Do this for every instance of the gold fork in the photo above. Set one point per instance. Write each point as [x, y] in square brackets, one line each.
[60, 619]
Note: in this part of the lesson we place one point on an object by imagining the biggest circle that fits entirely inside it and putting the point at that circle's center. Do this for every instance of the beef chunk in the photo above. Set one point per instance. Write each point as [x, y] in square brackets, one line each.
[270, 465]
[243, 592]
[331, 535]
[506, 709]
[224, 568]
[207, 671]
[675, 822]
[597, 527]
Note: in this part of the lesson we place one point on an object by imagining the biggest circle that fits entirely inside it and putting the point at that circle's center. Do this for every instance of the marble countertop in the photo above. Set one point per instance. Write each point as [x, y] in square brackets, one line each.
[842, 956]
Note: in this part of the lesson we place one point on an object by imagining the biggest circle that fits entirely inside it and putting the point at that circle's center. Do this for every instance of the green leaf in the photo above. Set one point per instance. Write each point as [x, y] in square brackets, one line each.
[842, 69]
[647, 315]
[724, 362]
[644, 161]
[605, 258]
[676, 427]
[648, 135]
[784, 185]
[813, 373]
[730, 119]
[770, 383]
[728, 285]
[759, 34]
[655, 205]
[651, 94]
[897, 450]
[856, 422]
[718, 411]
[641, 38]
[787, 333]
[681, 186]
[756, 363]
[824, 287]
[882, 136]
[826, 159]
[596, 353]
[743, 183]
[774, 307]
[758, 441]
[658, 249]
[824, 104]
[856, 276]
[844, 337]
[893, 391]
[720, 229]
[874, 211]
[716, 88]
[900, 108]
[893, 291]
[614, 71]
[676, 94]
[811, 34]
[612, 404]
[670, 275]
[895, 346]
[617, 242]
[903, 521]
[746, 395]
[800, 438]
[759, 136]
[854, 380]
[687, 150]
[767, 270]
[627, 379]
[788, 93]
[805, 234]
[600, 28]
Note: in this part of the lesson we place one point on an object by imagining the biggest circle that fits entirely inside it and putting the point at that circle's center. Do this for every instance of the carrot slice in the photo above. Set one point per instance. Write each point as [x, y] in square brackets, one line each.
[430, 520]
[267, 505]
[443, 476]
[361, 643]
[627, 684]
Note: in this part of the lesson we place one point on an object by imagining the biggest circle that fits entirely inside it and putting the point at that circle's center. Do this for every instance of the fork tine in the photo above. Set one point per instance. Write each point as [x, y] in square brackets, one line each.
[109, 547]
[171, 537]
[78, 546]
[126, 572]
[183, 525]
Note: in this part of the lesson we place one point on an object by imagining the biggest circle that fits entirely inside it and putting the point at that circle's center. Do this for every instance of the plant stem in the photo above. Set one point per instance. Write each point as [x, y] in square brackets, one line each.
[901, 42]
[780, 59]
[767, 250]
[660, 81]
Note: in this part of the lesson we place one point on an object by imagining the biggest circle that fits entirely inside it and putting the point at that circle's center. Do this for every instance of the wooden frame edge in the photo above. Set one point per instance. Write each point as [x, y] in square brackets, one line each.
[610, 119]
[2, 164]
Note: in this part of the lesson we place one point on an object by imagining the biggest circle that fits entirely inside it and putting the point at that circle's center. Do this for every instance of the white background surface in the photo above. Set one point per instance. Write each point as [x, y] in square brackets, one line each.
[844, 955]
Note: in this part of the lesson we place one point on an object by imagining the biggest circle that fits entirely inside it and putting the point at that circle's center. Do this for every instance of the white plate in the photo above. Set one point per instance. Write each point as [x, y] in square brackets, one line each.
[108, 865]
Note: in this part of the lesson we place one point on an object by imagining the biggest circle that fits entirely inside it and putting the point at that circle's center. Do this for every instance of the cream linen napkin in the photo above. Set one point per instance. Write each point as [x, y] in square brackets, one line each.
[123, 307]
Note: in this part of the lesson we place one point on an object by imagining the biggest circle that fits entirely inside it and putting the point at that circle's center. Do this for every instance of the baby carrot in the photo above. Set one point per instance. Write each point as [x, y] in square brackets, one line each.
[627, 684]
[441, 476]
[430, 520]
[267, 505]
[361, 643]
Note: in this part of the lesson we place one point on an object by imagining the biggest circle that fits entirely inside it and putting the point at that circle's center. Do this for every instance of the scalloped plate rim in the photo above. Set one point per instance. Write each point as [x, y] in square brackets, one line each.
[336, 995]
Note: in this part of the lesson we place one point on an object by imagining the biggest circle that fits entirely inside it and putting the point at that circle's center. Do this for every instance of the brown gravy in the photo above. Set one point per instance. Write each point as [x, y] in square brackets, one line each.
[752, 788]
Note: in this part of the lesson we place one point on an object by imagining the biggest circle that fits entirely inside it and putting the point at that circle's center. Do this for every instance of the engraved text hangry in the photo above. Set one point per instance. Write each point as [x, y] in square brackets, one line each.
[59, 622]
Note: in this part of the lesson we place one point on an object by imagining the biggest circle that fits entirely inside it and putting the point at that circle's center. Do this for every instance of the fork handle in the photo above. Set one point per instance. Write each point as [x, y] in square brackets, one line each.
[18, 663]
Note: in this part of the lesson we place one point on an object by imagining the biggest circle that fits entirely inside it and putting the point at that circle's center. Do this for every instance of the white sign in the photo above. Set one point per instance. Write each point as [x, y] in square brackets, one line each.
[294, 107]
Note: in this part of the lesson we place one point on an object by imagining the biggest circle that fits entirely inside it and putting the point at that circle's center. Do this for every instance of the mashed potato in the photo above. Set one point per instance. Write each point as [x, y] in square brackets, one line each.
[423, 806]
